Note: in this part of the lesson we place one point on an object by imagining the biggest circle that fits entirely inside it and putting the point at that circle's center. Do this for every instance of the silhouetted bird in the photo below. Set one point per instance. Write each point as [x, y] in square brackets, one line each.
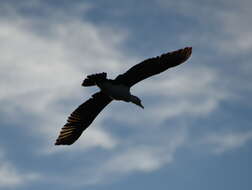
[117, 89]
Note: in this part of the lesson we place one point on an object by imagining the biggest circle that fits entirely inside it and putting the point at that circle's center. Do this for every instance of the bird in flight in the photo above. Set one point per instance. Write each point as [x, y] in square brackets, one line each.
[117, 89]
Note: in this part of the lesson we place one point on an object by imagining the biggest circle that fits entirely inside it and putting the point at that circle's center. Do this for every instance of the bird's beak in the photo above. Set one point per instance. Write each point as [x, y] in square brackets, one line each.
[141, 105]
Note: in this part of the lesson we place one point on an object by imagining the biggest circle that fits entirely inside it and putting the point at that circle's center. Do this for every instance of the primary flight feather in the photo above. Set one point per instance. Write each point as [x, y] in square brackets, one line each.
[117, 89]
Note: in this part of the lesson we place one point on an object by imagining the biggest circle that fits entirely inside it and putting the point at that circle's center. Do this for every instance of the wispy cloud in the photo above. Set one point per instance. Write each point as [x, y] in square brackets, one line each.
[41, 72]
[223, 142]
[191, 92]
[11, 177]
[48, 71]
[138, 157]
[144, 158]
[238, 31]
[228, 29]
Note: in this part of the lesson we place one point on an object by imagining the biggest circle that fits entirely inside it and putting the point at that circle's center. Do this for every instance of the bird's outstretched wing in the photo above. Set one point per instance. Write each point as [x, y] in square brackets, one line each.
[81, 118]
[153, 66]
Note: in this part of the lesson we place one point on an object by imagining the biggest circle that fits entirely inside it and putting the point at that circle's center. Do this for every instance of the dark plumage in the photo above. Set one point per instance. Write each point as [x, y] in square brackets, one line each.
[91, 80]
[117, 89]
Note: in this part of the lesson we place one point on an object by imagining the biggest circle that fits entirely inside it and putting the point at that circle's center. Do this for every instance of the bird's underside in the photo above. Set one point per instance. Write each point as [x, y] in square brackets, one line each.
[85, 114]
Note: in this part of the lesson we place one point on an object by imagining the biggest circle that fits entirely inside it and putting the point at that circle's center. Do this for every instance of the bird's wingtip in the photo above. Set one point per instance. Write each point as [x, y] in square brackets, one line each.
[61, 143]
[189, 48]
[187, 51]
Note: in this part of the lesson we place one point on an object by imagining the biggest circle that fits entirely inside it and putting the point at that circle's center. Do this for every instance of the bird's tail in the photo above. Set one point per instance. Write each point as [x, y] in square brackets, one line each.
[91, 80]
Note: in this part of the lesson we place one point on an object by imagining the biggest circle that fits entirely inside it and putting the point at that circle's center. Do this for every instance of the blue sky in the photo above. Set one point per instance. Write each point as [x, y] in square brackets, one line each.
[195, 131]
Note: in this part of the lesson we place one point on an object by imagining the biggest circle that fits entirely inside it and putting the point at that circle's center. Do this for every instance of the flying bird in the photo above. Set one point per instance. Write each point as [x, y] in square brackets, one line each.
[117, 89]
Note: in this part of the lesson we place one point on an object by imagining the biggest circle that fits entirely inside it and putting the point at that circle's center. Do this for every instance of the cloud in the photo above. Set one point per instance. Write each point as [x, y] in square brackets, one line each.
[139, 157]
[93, 137]
[228, 29]
[41, 72]
[144, 158]
[11, 177]
[192, 92]
[224, 142]
[238, 31]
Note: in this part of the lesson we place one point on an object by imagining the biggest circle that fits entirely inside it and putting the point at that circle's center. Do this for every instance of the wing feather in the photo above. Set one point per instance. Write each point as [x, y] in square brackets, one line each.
[81, 118]
[153, 66]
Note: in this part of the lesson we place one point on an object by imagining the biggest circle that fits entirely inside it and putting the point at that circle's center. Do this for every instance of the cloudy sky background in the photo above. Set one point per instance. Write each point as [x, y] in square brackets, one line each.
[195, 131]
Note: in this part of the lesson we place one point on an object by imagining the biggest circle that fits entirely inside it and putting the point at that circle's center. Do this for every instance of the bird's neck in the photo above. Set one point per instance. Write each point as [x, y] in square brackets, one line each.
[136, 100]
[133, 98]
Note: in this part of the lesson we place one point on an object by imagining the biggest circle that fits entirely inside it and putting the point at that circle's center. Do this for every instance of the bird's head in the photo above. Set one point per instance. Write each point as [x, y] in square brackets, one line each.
[136, 100]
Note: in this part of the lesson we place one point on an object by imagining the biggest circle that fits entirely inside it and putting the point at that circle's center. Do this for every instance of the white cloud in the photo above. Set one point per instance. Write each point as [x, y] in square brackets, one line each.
[144, 158]
[92, 138]
[190, 92]
[38, 70]
[11, 177]
[41, 71]
[136, 157]
[228, 27]
[227, 141]
[98, 137]
[237, 30]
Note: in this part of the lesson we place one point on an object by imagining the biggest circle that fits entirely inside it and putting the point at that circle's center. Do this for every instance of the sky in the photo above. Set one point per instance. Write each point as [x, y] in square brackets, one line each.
[195, 131]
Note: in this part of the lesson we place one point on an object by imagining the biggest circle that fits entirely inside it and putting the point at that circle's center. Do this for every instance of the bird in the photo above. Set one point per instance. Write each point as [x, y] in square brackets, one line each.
[117, 89]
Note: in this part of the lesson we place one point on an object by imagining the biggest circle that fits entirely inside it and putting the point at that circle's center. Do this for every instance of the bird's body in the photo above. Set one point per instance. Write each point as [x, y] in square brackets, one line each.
[117, 89]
